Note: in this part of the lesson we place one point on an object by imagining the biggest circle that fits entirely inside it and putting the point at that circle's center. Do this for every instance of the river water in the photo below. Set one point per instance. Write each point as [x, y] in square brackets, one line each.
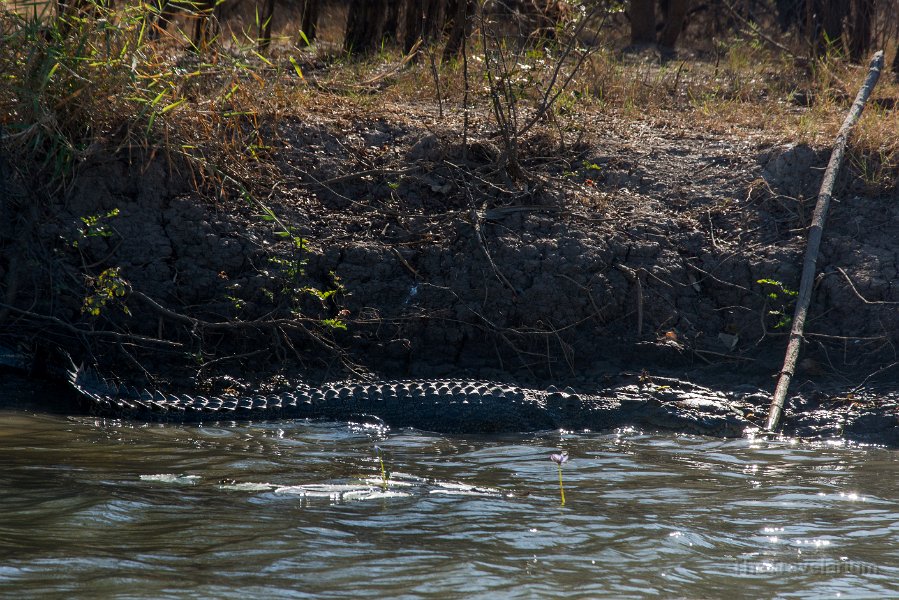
[108, 509]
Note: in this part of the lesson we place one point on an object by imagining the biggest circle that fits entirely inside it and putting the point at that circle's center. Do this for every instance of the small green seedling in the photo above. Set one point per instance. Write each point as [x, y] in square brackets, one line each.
[95, 226]
[383, 470]
[782, 298]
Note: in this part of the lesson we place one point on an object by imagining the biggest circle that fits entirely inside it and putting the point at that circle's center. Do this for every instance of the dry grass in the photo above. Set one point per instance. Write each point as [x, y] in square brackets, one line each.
[743, 90]
[748, 92]
[214, 107]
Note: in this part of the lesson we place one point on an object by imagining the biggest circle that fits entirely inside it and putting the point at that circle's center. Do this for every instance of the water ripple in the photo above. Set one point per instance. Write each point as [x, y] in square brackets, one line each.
[300, 510]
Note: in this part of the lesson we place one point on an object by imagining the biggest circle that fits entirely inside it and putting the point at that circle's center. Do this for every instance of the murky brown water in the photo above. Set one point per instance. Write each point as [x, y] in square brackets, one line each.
[294, 509]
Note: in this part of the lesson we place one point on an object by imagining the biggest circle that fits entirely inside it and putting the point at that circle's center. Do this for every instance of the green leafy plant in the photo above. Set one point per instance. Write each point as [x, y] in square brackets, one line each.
[236, 302]
[108, 286]
[95, 226]
[779, 301]
[334, 323]
[293, 269]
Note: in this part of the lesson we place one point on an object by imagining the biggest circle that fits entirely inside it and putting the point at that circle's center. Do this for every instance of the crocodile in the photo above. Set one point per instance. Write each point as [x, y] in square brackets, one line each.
[443, 406]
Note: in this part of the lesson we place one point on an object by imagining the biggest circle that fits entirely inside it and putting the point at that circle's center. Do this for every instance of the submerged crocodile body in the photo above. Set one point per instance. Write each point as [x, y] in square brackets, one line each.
[436, 405]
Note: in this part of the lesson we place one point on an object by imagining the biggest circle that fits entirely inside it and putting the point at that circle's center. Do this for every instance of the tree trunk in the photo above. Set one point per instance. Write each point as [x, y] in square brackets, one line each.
[675, 12]
[789, 13]
[365, 26]
[415, 14]
[425, 19]
[833, 13]
[643, 21]
[266, 18]
[860, 29]
[826, 18]
[392, 21]
[435, 20]
[205, 23]
[463, 16]
[309, 21]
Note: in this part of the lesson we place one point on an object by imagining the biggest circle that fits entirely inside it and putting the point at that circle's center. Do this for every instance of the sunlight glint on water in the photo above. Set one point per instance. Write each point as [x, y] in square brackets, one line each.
[297, 509]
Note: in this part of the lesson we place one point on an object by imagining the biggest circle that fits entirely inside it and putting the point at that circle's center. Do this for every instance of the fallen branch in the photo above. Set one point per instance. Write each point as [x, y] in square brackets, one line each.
[814, 242]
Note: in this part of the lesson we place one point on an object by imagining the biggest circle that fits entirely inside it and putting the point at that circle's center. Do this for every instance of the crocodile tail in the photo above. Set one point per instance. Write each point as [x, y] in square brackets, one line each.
[88, 383]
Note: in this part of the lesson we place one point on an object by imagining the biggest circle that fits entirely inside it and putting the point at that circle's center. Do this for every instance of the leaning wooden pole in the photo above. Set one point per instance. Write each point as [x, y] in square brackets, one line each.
[814, 242]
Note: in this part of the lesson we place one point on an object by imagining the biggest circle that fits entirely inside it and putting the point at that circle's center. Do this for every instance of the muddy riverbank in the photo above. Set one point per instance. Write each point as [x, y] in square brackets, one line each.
[377, 246]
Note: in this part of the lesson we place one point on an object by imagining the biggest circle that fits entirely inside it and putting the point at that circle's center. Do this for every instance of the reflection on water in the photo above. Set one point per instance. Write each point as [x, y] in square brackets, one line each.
[296, 509]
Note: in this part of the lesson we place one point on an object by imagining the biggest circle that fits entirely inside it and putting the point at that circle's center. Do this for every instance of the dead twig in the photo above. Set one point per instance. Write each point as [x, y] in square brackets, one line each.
[365, 173]
[722, 355]
[634, 275]
[874, 374]
[715, 279]
[406, 264]
[586, 289]
[552, 92]
[478, 225]
[119, 337]
[208, 363]
[639, 285]
[224, 325]
[858, 295]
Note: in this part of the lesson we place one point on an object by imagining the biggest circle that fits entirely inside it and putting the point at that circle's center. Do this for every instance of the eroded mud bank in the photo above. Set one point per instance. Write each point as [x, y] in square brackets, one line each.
[642, 248]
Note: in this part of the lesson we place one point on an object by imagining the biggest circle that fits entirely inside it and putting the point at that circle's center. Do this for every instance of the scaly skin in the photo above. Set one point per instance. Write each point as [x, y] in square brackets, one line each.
[436, 405]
